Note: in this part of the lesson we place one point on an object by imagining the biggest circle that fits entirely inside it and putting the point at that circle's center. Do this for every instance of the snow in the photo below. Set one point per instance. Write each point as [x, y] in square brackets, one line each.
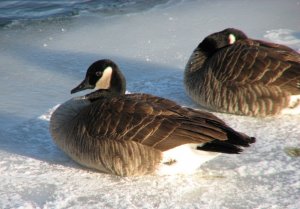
[40, 63]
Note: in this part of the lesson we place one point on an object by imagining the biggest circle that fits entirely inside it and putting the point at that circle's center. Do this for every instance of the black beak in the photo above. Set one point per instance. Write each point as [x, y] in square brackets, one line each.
[82, 86]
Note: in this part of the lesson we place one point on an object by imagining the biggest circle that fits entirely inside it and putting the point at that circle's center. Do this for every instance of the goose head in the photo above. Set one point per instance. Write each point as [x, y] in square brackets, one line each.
[219, 40]
[103, 75]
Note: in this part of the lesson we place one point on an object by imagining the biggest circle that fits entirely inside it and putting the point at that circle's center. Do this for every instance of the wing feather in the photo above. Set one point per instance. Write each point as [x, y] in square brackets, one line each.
[151, 121]
[258, 62]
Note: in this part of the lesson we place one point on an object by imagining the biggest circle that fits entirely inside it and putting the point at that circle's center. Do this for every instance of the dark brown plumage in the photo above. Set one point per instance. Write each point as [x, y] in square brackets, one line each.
[126, 134]
[229, 72]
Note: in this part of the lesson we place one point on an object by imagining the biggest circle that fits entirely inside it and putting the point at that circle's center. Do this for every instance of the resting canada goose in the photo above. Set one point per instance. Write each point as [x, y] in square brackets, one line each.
[137, 134]
[229, 72]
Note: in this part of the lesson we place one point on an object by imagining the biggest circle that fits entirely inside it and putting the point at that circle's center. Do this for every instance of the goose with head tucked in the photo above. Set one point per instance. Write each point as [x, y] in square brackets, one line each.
[229, 72]
[137, 134]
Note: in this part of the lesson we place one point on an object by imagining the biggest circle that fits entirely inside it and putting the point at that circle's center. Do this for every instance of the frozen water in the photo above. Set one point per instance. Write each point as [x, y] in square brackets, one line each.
[41, 62]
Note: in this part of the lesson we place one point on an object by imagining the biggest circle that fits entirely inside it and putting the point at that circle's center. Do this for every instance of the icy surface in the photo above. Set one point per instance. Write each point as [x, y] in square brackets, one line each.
[40, 63]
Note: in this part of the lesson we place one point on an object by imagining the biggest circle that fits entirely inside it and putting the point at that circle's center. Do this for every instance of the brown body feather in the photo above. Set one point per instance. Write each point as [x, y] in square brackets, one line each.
[249, 77]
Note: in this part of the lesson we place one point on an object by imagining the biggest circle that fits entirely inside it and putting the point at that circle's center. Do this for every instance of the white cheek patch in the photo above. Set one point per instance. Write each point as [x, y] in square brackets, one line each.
[231, 39]
[104, 81]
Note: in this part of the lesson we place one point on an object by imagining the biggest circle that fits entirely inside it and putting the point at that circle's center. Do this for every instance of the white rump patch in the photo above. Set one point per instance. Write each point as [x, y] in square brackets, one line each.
[104, 81]
[294, 106]
[231, 39]
[184, 159]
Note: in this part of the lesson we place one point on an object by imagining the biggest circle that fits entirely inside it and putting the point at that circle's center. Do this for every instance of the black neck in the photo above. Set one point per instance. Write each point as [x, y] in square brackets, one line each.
[118, 81]
[207, 48]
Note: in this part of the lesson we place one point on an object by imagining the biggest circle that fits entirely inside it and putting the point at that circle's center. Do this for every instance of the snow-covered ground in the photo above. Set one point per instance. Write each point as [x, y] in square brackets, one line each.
[41, 62]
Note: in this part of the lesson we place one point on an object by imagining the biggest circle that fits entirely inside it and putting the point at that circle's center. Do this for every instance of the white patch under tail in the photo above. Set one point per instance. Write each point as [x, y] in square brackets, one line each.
[184, 159]
[294, 106]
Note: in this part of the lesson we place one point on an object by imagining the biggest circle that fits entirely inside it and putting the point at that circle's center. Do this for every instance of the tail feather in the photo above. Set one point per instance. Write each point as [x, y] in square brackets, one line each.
[218, 146]
[233, 145]
[240, 139]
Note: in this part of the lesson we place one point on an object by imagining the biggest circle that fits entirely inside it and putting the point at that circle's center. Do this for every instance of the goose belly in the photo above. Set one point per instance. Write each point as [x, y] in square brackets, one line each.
[184, 159]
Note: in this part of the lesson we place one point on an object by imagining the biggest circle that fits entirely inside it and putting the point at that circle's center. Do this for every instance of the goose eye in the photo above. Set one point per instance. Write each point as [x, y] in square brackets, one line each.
[231, 39]
[98, 73]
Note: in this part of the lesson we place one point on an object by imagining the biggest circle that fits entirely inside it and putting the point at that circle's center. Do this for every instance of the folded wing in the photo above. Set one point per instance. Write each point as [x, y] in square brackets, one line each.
[155, 122]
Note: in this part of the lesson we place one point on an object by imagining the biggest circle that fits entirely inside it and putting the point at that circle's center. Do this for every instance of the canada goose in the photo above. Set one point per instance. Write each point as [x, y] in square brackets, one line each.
[137, 134]
[229, 72]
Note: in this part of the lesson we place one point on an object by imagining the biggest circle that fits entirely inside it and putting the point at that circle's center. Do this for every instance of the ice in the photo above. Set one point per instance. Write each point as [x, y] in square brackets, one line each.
[151, 48]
